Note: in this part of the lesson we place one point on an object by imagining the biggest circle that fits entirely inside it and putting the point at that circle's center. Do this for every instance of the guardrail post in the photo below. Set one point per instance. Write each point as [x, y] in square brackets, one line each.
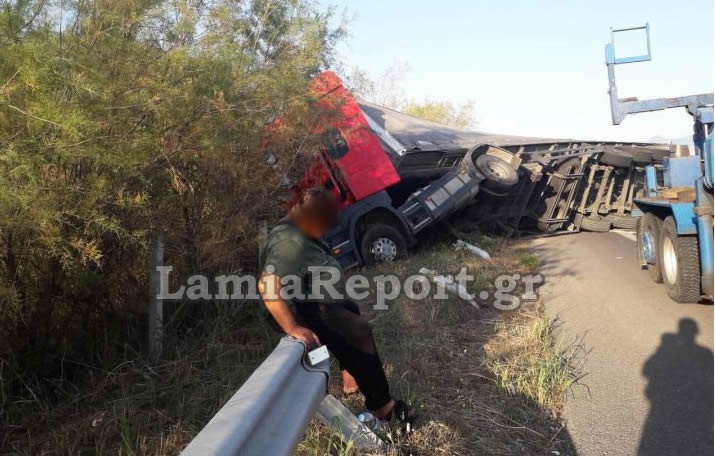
[262, 234]
[156, 311]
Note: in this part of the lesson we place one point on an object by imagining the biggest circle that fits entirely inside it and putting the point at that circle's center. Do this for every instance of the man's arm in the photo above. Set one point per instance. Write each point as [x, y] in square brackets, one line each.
[269, 287]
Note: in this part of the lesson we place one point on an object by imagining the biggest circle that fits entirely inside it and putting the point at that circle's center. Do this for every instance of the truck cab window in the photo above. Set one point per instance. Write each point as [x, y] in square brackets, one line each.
[334, 143]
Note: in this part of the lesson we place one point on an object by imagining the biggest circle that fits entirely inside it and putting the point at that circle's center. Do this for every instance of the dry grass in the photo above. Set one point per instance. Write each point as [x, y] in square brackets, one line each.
[140, 409]
[484, 382]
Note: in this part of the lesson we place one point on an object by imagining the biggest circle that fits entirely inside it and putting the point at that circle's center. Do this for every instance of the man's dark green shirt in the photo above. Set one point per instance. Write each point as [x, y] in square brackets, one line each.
[290, 252]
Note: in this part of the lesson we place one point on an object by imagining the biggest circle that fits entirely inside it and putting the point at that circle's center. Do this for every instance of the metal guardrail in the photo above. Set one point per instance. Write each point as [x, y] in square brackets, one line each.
[270, 411]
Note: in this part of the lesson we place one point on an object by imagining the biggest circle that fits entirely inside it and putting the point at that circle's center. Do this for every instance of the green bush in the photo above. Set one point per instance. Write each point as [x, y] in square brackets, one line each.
[127, 117]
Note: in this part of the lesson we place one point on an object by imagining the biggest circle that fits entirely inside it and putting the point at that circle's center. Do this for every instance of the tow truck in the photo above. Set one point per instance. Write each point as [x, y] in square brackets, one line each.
[675, 233]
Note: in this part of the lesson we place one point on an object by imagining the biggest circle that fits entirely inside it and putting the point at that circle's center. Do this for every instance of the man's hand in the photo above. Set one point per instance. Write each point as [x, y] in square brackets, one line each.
[269, 287]
[304, 335]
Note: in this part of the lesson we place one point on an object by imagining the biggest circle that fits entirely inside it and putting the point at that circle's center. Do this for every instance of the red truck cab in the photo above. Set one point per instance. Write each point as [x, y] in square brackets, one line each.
[382, 211]
[352, 160]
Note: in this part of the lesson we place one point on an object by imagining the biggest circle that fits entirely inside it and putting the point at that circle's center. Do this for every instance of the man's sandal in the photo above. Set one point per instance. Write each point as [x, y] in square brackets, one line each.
[404, 414]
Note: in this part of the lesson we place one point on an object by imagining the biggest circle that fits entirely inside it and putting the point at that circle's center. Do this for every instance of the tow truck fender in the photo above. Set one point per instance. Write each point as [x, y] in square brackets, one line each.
[682, 212]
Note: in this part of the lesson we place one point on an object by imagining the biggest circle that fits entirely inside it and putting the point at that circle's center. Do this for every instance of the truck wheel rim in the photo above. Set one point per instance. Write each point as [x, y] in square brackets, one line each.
[384, 249]
[497, 170]
[648, 247]
[670, 261]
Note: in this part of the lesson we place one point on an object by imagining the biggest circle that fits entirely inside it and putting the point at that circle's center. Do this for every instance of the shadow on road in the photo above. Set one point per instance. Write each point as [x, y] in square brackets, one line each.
[557, 258]
[680, 391]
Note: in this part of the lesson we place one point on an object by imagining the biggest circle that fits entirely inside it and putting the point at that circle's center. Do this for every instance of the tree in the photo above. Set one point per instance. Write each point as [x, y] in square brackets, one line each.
[443, 112]
[122, 117]
[386, 90]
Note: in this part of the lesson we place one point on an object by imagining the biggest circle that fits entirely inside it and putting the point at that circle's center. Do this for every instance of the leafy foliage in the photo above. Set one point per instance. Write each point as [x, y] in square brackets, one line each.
[443, 112]
[127, 116]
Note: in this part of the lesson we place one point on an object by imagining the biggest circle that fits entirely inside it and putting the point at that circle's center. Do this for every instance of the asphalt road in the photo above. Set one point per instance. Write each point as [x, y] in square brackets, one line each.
[649, 383]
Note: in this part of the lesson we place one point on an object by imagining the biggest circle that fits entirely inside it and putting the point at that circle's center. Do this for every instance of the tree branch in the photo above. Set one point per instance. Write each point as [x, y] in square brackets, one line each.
[33, 116]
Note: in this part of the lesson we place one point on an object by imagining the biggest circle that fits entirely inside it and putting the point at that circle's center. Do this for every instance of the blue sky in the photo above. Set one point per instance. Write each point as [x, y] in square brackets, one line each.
[537, 68]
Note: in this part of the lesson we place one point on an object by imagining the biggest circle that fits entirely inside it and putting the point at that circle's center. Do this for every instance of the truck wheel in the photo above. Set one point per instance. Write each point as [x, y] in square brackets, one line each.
[382, 243]
[595, 223]
[680, 262]
[643, 156]
[646, 157]
[616, 159]
[499, 176]
[626, 222]
[648, 240]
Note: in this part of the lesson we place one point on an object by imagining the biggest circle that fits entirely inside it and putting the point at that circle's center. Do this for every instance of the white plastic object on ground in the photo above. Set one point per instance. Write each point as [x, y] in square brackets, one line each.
[460, 244]
[450, 285]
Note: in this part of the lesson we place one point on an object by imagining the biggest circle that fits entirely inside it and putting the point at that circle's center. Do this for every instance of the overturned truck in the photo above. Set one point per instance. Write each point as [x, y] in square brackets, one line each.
[397, 176]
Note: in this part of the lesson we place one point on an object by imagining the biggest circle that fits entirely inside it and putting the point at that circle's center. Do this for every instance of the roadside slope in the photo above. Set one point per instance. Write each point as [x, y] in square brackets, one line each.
[484, 382]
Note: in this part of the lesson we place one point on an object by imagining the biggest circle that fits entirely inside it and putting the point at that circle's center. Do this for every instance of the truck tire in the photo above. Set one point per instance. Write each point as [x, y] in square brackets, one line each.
[626, 222]
[616, 159]
[643, 156]
[597, 224]
[499, 176]
[382, 243]
[680, 262]
[648, 244]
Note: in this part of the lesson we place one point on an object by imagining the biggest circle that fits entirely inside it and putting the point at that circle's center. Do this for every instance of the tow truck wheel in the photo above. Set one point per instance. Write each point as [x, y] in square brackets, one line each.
[382, 243]
[499, 176]
[680, 262]
[648, 240]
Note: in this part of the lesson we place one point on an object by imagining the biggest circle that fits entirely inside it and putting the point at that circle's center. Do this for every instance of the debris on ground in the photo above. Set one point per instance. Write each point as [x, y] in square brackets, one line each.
[463, 245]
[452, 287]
